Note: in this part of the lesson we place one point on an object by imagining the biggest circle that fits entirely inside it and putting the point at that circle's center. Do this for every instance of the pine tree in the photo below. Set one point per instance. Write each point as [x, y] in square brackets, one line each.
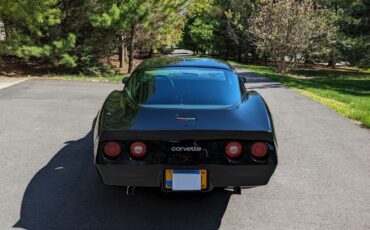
[30, 28]
[127, 17]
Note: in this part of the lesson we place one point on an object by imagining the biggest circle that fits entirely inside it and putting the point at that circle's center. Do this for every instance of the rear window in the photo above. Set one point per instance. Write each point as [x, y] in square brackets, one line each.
[184, 86]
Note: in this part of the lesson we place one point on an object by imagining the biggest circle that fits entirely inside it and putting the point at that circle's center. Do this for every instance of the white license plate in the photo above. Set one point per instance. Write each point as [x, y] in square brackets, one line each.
[186, 180]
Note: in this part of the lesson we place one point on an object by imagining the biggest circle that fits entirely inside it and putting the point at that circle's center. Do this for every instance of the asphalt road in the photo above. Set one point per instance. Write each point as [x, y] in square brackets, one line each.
[48, 181]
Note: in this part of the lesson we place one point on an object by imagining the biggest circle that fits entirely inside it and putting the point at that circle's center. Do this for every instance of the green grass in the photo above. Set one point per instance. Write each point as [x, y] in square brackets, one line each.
[80, 77]
[348, 93]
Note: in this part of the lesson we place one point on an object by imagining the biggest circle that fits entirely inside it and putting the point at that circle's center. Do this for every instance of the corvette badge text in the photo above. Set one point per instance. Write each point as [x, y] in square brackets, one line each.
[186, 149]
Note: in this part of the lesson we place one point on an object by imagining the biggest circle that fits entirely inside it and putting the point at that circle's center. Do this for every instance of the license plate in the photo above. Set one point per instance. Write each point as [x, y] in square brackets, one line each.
[186, 180]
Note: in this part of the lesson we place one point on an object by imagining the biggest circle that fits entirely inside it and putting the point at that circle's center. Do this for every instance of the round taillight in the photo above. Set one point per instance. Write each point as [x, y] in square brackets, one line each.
[234, 149]
[138, 149]
[259, 149]
[112, 149]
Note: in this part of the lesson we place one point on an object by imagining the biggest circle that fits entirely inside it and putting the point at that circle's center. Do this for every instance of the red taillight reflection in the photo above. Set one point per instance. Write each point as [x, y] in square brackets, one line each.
[259, 149]
[112, 149]
[234, 149]
[138, 149]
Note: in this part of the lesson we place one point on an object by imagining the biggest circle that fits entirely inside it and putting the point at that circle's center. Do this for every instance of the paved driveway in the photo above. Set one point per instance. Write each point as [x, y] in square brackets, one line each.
[47, 178]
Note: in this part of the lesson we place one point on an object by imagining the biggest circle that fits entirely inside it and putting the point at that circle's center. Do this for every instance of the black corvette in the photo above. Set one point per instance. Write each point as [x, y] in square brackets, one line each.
[185, 124]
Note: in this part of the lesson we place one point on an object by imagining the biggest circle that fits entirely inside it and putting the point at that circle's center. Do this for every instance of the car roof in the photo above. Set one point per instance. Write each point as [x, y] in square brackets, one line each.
[168, 61]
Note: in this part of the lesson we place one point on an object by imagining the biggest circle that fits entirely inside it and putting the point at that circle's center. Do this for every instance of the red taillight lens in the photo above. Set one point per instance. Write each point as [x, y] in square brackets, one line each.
[138, 149]
[112, 149]
[259, 149]
[234, 149]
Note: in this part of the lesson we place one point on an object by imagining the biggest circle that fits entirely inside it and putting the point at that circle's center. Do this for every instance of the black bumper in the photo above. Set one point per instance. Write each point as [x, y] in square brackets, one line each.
[153, 175]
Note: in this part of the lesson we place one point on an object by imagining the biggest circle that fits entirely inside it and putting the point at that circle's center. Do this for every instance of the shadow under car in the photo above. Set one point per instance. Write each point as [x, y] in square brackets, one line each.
[68, 194]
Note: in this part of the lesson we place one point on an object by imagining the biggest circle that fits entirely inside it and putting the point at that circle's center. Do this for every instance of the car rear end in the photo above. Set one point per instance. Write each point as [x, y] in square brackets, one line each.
[187, 126]
[187, 164]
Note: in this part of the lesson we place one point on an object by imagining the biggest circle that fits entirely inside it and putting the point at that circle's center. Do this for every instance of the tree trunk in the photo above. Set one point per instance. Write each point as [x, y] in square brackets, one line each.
[125, 55]
[307, 59]
[151, 51]
[120, 54]
[331, 61]
[280, 64]
[227, 51]
[131, 49]
[121, 50]
[108, 60]
[239, 54]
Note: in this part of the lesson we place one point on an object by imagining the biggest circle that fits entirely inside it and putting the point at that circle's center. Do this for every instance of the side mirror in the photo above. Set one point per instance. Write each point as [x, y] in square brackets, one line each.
[125, 80]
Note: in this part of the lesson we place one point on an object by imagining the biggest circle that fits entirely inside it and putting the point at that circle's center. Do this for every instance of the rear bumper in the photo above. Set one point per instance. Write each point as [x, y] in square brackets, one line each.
[153, 175]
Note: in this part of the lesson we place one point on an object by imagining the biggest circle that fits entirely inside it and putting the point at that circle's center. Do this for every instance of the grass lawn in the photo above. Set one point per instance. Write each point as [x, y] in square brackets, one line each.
[348, 93]
[107, 78]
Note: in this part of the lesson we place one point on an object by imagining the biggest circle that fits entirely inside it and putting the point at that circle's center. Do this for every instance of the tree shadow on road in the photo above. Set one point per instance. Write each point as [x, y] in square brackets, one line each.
[255, 78]
[262, 82]
[67, 194]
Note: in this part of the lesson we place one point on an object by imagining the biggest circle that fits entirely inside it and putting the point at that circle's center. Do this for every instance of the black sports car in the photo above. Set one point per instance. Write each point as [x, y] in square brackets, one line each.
[185, 124]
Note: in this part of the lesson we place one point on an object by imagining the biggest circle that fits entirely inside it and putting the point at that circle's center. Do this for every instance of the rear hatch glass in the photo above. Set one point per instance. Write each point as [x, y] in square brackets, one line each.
[186, 86]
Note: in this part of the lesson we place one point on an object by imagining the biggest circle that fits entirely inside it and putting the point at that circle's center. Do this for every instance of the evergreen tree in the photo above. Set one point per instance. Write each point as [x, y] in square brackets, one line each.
[156, 17]
[32, 29]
